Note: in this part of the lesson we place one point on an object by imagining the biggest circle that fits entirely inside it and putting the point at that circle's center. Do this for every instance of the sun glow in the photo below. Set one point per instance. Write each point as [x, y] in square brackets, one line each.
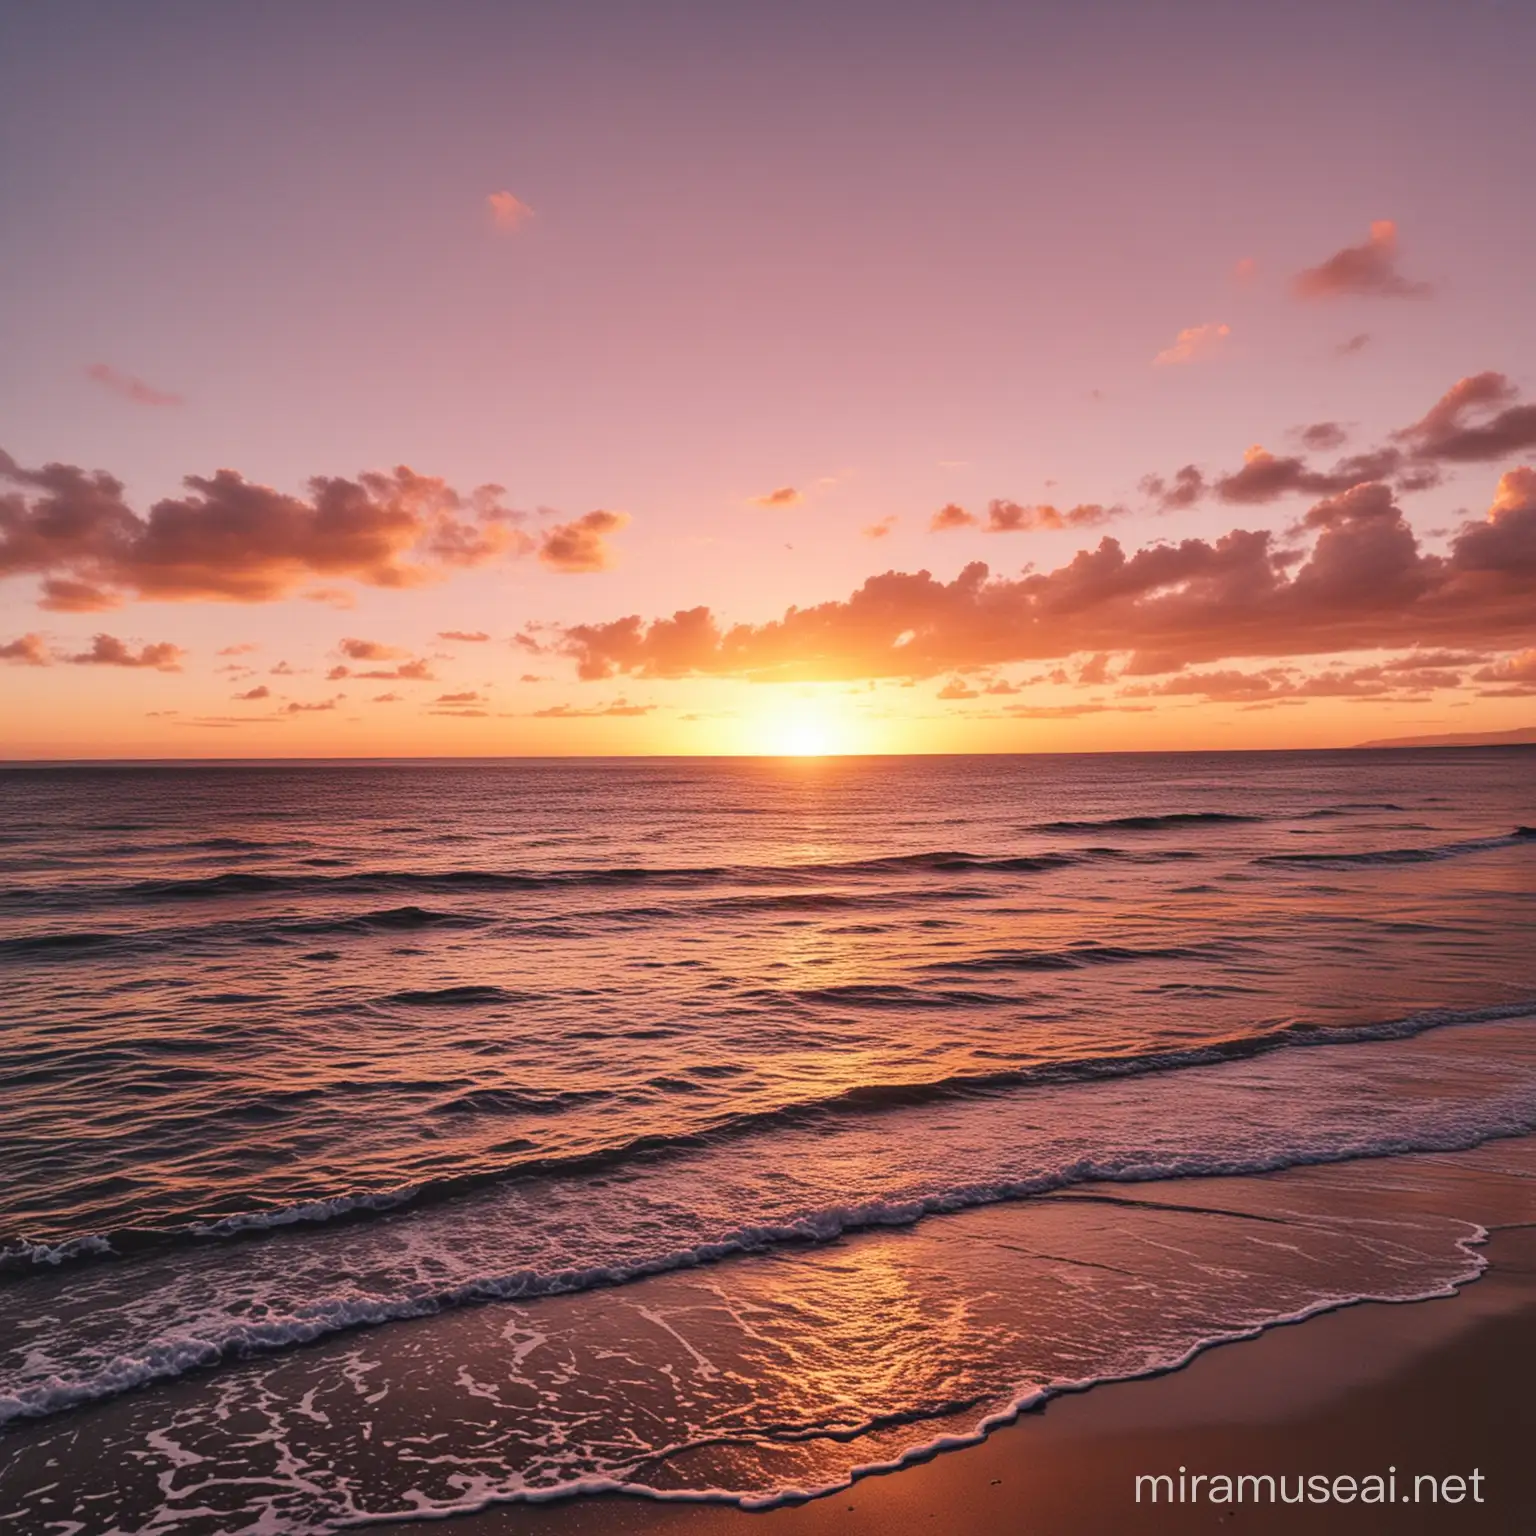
[804, 725]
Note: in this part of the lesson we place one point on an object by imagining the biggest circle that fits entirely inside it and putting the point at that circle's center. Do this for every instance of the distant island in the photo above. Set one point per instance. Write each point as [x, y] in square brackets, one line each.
[1525, 736]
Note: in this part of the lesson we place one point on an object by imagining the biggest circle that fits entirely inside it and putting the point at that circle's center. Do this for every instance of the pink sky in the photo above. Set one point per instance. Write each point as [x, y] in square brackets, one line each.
[741, 310]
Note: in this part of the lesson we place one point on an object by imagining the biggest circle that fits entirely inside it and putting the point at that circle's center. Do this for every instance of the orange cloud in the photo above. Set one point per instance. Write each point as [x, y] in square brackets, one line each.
[261, 691]
[1364, 583]
[109, 651]
[507, 211]
[1367, 270]
[572, 712]
[1010, 517]
[581, 545]
[880, 529]
[1193, 343]
[950, 516]
[129, 387]
[462, 635]
[784, 496]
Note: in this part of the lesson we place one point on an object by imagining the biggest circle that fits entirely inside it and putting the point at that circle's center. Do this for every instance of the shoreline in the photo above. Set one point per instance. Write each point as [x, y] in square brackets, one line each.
[1430, 1388]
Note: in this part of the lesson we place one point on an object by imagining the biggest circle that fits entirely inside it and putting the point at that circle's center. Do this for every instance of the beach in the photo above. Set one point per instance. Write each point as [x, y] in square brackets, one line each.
[1429, 1388]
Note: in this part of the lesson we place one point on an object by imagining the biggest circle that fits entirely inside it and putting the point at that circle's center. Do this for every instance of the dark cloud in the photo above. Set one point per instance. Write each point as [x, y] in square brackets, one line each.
[1186, 488]
[581, 545]
[316, 708]
[1365, 270]
[1356, 343]
[471, 697]
[1466, 425]
[27, 649]
[1267, 477]
[1323, 436]
[1362, 583]
[109, 651]
[230, 540]
[129, 387]
[261, 691]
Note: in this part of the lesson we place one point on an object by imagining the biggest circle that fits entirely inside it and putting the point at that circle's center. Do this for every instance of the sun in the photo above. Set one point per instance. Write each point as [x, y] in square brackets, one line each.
[802, 724]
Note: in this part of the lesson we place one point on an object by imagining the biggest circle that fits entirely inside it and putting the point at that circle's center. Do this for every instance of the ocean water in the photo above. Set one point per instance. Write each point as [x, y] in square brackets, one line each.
[390, 1140]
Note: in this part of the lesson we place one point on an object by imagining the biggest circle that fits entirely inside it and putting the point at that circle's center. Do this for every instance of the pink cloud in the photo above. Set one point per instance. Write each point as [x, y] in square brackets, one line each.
[1366, 270]
[27, 649]
[129, 387]
[507, 211]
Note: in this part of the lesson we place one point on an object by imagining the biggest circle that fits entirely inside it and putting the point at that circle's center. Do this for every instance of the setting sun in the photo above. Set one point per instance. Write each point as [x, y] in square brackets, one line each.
[802, 724]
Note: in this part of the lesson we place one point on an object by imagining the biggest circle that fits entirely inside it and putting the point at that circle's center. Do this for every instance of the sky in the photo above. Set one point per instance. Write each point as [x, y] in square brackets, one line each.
[495, 379]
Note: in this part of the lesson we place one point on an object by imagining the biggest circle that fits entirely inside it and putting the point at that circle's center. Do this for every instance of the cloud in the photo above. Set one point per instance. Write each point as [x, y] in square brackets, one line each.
[956, 688]
[387, 698]
[261, 691]
[1193, 343]
[1375, 683]
[27, 649]
[471, 697]
[950, 516]
[880, 529]
[507, 211]
[418, 670]
[1367, 270]
[61, 595]
[1356, 343]
[1187, 487]
[1520, 668]
[573, 712]
[370, 650]
[581, 545]
[1362, 583]
[784, 496]
[1466, 425]
[1010, 517]
[228, 539]
[238, 650]
[1266, 476]
[1246, 269]
[315, 708]
[109, 651]
[468, 636]
[1324, 436]
[129, 387]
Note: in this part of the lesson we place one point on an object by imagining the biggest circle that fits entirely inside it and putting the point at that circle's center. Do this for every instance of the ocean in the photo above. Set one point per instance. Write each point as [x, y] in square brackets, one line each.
[387, 1140]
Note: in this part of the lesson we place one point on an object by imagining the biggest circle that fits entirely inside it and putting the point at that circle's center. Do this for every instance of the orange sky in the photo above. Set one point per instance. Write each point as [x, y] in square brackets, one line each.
[789, 383]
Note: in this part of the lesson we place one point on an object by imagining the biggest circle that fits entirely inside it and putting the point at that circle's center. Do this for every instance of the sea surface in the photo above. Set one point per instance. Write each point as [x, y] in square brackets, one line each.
[386, 1140]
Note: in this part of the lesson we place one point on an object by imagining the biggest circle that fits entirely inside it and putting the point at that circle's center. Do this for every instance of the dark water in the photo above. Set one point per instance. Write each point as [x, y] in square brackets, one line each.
[291, 1050]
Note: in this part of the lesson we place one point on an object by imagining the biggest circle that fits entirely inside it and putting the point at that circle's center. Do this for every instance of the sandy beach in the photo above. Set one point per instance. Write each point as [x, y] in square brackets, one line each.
[1430, 1388]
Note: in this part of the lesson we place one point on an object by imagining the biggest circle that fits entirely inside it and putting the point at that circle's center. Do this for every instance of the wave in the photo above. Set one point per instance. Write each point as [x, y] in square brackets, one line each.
[1076, 956]
[240, 883]
[229, 1338]
[459, 997]
[1380, 856]
[1155, 823]
[23, 1255]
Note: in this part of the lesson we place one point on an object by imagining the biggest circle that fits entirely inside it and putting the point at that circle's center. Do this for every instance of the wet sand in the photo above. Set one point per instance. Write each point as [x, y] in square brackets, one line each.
[1438, 1388]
